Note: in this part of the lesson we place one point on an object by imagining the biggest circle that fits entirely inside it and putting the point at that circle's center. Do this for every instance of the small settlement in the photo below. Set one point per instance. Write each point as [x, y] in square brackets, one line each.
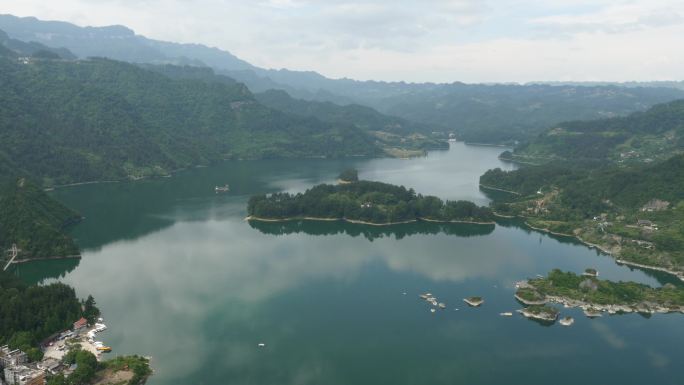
[17, 369]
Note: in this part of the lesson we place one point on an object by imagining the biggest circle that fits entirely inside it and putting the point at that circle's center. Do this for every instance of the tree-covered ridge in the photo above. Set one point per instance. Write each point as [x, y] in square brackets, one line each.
[34, 222]
[506, 113]
[389, 130]
[642, 137]
[390, 133]
[100, 119]
[373, 202]
[16, 48]
[608, 206]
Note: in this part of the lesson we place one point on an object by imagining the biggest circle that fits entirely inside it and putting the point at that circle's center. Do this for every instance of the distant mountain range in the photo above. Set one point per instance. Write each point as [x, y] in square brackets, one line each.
[476, 112]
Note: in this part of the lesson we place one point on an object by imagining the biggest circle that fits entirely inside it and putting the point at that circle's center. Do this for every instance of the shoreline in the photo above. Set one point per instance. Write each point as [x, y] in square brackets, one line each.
[487, 145]
[80, 184]
[612, 308]
[20, 261]
[498, 189]
[618, 260]
[529, 303]
[355, 221]
[544, 317]
[677, 274]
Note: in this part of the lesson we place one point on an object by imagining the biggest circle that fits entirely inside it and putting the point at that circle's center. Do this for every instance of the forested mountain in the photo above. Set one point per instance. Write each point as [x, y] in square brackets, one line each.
[14, 47]
[391, 133]
[504, 113]
[647, 136]
[389, 130]
[100, 119]
[363, 117]
[115, 42]
[34, 221]
[476, 112]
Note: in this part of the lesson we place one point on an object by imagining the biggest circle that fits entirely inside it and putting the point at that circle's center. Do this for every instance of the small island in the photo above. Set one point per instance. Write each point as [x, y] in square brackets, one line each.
[540, 313]
[474, 301]
[596, 296]
[365, 202]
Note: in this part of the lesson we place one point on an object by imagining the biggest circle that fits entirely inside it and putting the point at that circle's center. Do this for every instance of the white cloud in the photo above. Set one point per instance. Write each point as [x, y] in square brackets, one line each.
[429, 40]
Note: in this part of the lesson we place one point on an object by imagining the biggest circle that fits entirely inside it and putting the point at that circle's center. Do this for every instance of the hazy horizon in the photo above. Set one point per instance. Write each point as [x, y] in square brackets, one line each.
[440, 41]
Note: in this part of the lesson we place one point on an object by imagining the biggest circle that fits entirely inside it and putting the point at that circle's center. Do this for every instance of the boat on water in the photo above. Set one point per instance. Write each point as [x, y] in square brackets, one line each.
[104, 349]
[506, 314]
[222, 189]
[441, 305]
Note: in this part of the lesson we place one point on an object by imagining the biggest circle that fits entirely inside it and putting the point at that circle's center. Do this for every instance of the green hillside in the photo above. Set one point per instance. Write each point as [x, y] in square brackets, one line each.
[636, 213]
[642, 137]
[389, 131]
[34, 221]
[99, 119]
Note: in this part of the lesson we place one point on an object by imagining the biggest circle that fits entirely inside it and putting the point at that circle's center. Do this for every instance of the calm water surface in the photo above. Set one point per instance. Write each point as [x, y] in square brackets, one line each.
[181, 277]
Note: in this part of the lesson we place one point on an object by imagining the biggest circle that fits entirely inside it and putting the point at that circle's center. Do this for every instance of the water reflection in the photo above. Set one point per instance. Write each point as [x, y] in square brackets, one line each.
[38, 271]
[180, 276]
[371, 233]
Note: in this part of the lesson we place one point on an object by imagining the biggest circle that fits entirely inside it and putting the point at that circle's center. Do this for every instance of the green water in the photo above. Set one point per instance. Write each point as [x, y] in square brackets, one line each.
[181, 277]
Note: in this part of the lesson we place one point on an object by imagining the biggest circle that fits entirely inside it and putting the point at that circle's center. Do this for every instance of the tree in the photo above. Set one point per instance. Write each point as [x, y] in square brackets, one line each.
[90, 311]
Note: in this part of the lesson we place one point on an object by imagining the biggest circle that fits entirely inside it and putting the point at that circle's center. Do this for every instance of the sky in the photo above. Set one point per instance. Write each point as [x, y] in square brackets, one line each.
[412, 40]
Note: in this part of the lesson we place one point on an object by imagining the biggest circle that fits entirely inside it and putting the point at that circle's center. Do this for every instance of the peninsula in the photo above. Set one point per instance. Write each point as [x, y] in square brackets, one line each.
[364, 202]
[596, 296]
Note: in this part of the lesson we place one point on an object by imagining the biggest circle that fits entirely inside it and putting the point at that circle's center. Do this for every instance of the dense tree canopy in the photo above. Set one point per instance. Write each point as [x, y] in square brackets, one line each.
[34, 221]
[29, 314]
[72, 121]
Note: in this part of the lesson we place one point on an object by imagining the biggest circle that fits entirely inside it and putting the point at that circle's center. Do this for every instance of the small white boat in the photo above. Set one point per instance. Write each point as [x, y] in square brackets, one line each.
[506, 314]
[441, 305]
[261, 345]
[220, 189]
[432, 310]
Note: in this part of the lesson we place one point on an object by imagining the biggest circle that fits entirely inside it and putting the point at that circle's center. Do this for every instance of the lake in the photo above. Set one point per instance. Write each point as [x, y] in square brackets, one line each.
[180, 276]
